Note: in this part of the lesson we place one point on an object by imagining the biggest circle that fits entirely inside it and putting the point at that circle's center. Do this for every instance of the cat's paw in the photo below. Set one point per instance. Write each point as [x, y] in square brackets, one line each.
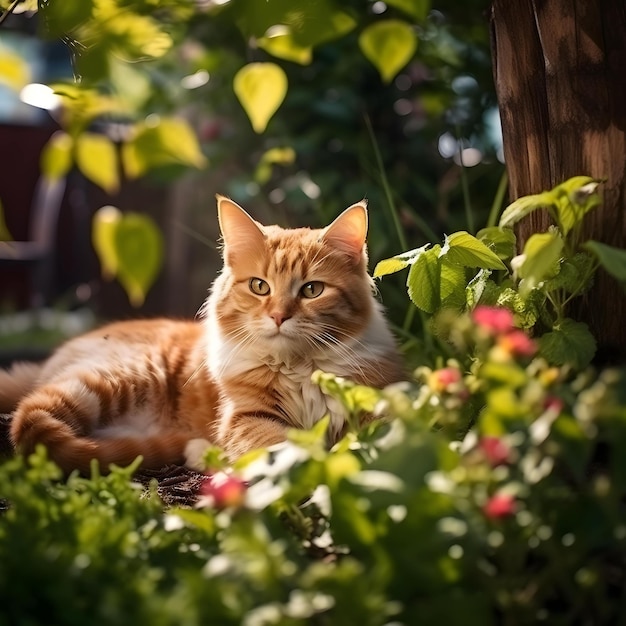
[194, 453]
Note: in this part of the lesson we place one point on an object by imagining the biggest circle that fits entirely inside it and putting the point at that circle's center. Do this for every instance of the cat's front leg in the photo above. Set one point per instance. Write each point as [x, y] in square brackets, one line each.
[240, 432]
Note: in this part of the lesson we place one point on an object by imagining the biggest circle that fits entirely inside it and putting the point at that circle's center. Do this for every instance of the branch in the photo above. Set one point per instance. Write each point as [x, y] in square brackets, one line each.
[9, 11]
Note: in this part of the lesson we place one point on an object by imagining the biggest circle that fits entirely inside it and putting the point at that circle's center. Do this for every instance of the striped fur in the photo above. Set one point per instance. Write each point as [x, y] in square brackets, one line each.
[238, 378]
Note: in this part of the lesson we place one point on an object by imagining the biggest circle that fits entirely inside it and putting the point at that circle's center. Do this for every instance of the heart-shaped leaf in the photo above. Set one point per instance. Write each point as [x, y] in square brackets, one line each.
[260, 88]
[130, 248]
[139, 248]
[96, 158]
[424, 280]
[389, 45]
[56, 156]
[464, 249]
[103, 225]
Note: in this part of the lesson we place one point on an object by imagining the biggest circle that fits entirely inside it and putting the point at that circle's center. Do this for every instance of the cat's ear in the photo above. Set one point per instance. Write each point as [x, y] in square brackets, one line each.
[240, 232]
[349, 231]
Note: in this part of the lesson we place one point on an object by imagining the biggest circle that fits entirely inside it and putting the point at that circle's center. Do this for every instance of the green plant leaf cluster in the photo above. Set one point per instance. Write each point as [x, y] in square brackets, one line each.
[483, 482]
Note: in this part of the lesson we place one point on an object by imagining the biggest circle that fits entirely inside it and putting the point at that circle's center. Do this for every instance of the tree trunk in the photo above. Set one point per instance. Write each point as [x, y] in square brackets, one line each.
[560, 74]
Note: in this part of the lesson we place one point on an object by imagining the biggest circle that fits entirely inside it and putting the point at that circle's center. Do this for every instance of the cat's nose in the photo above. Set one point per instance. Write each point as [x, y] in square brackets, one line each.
[279, 317]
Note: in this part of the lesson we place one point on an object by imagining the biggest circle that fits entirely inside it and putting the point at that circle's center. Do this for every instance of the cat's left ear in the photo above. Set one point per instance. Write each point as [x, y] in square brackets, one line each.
[349, 231]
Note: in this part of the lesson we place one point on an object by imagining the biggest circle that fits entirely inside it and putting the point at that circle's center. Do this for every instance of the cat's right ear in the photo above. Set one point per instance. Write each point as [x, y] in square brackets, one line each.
[241, 234]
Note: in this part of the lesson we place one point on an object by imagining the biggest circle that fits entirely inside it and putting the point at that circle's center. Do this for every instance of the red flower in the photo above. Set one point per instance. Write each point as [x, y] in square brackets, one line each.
[441, 379]
[499, 506]
[518, 343]
[495, 451]
[553, 403]
[224, 490]
[497, 320]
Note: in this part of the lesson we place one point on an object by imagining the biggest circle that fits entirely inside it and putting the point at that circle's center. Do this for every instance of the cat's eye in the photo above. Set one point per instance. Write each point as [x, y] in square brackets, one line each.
[259, 286]
[312, 289]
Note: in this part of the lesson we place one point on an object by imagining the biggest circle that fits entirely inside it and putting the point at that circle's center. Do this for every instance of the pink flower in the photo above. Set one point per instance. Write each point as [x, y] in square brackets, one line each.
[441, 379]
[223, 490]
[518, 343]
[552, 403]
[496, 320]
[495, 451]
[499, 506]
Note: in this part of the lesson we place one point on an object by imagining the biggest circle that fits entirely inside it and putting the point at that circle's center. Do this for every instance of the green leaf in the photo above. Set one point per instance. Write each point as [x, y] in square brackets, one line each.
[103, 225]
[260, 88]
[524, 206]
[96, 158]
[569, 342]
[389, 45]
[139, 248]
[476, 287]
[464, 249]
[576, 197]
[539, 259]
[159, 142]
[424, 280]
[415, 8]
[500, 240]
[56, 156]
[281, 44]
[274, 156]
[453, 283]
[612, 260]
[398, 262]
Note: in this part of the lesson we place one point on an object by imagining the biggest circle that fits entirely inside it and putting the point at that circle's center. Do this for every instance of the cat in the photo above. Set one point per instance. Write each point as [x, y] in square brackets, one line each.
[286, 303]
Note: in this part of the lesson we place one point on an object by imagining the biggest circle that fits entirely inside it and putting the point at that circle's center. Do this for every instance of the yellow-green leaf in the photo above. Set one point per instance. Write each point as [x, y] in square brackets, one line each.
[96, 157]
[283, 46]
[274, 156]
[139, 248]
[14, 71]
[158, 142]
[415, 8]
[103, 225]
[389, 45]
[56, 156]
[260, 88]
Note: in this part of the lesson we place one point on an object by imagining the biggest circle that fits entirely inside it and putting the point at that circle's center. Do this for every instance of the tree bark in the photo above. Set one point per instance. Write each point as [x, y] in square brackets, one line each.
[560, 74]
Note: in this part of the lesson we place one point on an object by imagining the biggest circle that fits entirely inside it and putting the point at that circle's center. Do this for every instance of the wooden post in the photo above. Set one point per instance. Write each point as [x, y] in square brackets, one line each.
[560, 74]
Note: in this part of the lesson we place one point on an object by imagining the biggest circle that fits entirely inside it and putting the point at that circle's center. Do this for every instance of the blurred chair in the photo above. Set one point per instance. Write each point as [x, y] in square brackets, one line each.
[38, 254]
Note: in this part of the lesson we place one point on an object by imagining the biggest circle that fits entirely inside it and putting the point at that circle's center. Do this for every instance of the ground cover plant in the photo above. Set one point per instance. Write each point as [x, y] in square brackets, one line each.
[490, 493]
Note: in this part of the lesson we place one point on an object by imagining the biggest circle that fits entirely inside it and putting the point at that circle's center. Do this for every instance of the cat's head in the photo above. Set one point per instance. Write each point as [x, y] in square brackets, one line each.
[293, 290]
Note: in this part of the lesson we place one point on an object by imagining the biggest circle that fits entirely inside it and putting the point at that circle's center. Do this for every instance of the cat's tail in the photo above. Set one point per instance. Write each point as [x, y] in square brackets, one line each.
[16, 382]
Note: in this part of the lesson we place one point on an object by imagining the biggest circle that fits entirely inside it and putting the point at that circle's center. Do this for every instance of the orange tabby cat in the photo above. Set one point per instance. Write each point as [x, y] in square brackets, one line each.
[288, 302]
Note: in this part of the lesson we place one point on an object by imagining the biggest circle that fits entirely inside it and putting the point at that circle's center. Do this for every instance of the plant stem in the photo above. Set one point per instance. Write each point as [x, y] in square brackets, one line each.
[496, 206]
[385, 183]
[469, 218]
[9, 10]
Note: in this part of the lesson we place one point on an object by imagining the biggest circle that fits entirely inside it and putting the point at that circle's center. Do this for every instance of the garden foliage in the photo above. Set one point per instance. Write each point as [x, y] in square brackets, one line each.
[493, 496]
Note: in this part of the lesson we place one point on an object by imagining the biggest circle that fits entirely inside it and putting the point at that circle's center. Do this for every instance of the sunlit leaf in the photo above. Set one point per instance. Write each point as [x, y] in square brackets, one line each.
[612, 260]
[14, 71]
[415, 8]
[139, 248]
[575, 198]
[423, 281]
[464, 249]
[569, 342]
[398, 262]
[524, 206]
[260, 88]
[56, 156]
[540, 259]
[389, 45]
[97, 159]
[500, 240]
[103, 226]
[283, 46]
[159, 142]
[273, 156]
[453, 283]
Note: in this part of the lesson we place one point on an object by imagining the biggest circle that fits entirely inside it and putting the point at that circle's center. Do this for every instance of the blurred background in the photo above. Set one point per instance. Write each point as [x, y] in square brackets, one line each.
[422, 143]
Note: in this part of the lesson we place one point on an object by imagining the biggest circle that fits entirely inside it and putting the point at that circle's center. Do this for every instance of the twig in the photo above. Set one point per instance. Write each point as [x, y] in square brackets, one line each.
[9, 11]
